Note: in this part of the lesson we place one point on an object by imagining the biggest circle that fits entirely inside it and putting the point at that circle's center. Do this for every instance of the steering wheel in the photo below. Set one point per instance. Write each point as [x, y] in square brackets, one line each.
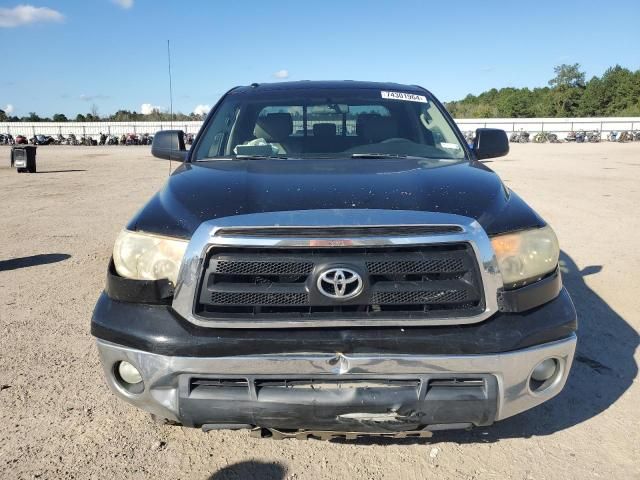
[394, 140]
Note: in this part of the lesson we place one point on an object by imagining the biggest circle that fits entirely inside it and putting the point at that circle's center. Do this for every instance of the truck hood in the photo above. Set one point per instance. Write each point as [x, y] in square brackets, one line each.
[202, 191]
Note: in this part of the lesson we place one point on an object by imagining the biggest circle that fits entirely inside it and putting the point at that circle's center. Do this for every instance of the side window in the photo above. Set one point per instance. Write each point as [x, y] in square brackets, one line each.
[440, 133]
[217, 133]
[434, 122]
[216, 144]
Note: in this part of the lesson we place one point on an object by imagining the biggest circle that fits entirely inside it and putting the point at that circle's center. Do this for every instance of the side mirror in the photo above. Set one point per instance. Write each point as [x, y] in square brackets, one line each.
[169, 145]
[490, 143]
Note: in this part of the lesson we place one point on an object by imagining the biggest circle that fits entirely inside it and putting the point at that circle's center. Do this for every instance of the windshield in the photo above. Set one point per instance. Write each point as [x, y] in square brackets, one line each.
[305, 123]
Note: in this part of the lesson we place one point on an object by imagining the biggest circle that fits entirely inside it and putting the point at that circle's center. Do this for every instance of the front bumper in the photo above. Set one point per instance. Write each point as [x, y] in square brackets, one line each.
[341, 392]
[158, 329]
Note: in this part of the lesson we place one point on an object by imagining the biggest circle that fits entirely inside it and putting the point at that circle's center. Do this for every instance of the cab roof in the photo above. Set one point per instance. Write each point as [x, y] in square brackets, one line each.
[328, 84]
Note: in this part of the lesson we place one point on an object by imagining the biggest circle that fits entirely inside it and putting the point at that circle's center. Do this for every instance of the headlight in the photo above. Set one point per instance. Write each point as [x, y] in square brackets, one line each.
[143, 256]
[526, 256]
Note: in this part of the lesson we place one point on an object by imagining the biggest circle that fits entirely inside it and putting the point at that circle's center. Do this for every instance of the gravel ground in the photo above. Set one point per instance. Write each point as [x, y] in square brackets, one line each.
[59, 420]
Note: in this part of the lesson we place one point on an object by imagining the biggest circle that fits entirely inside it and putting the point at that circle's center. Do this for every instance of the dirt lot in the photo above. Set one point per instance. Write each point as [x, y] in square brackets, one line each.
[59, 420]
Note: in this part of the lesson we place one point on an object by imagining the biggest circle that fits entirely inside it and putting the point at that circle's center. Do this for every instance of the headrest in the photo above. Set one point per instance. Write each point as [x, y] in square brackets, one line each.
[374, 128]
[273, 127]
[324, 130]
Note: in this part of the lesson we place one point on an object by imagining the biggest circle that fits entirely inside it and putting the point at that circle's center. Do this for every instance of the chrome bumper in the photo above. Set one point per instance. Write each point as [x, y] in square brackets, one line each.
[164, 388]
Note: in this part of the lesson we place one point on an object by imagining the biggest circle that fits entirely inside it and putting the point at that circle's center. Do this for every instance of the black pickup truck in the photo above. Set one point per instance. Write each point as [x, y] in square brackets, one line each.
[332, 258]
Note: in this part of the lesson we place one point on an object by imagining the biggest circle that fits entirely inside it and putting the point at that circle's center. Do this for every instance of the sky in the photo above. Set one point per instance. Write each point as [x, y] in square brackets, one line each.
[65, 56]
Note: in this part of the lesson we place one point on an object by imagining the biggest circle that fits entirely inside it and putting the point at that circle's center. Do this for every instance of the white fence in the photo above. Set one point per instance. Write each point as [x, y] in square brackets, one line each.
[29, 129]
[560, 126]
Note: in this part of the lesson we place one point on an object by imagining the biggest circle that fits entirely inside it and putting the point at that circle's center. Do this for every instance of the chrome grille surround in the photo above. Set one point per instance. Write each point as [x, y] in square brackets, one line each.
[211, 234]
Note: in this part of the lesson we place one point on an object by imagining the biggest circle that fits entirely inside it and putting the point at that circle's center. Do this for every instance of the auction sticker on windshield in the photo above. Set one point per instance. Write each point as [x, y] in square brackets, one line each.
[408, 97]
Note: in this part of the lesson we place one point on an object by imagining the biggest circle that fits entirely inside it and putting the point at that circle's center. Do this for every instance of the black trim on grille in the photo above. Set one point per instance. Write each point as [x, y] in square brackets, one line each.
[259, 298]
[284, 267]
[432, 265]
[416, 282]
[419, 297]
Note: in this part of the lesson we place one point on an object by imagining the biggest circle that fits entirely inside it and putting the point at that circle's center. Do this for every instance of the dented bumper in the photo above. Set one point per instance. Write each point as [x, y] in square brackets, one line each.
[356, 392]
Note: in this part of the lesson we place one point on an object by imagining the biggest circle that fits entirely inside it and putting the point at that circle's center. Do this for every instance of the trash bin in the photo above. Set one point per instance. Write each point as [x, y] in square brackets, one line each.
[23, 157]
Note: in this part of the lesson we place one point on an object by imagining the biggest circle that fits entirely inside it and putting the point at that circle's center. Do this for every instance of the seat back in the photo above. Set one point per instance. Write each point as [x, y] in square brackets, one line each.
[274, 127]
[374, 128]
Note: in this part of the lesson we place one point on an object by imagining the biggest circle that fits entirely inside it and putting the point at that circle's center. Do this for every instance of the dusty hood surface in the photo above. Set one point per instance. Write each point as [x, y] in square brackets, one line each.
[202, 191]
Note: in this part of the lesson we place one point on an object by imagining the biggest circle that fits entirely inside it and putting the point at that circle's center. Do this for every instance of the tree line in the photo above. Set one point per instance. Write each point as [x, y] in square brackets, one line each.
[614, 94]
[94, 116]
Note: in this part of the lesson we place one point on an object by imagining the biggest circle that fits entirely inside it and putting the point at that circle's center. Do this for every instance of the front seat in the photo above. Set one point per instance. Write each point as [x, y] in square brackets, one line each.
[275, 128]
[374, 128]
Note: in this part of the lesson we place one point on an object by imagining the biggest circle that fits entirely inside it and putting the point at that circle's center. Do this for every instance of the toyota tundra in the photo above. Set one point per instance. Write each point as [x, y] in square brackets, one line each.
[332, 258]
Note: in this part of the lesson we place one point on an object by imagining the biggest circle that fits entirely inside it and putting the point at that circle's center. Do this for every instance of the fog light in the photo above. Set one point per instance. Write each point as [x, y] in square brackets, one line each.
[545, 370]
[129, 373]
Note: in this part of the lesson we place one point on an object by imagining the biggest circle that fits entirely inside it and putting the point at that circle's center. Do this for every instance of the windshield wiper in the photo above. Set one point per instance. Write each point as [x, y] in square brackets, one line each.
[260, 157]
[385, 155]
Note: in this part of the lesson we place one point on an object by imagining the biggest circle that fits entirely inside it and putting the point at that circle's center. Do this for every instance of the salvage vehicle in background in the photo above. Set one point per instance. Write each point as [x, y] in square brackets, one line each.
[333, 259]
[42, 140]
[594, 136]
[625, 136]
[544, 137]
[520, 136]
[7, 139]
[469, 137]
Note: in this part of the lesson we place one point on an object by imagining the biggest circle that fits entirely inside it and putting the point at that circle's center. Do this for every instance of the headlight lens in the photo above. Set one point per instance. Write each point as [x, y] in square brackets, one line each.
[524, 257]
[143, 256]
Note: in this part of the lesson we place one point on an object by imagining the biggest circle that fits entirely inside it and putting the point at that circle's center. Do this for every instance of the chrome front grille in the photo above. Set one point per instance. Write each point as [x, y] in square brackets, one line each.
[259, 270]
[261, 284]
[341, 232]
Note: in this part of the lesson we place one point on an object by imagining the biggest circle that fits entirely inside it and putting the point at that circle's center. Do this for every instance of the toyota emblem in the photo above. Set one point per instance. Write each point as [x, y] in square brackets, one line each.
[340, 283]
